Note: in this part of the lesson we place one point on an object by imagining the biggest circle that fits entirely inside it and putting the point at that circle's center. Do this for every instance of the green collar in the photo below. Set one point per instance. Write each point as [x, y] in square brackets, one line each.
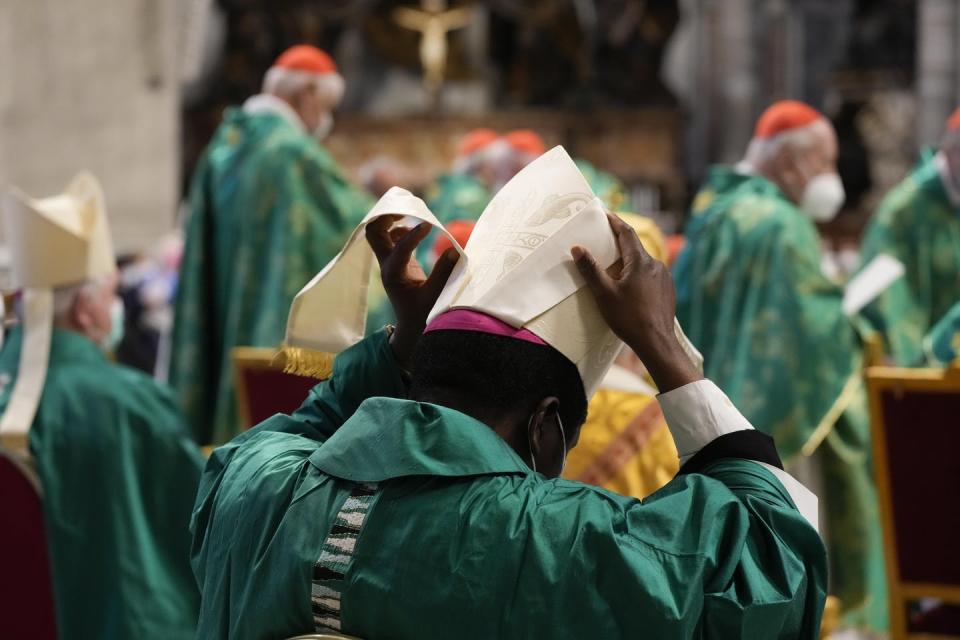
[764, 186]
[65, 346]
[722, 178]
[388, 438]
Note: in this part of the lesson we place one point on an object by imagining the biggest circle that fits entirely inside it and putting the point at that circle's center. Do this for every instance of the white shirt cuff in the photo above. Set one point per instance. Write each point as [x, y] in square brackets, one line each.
[697, 414]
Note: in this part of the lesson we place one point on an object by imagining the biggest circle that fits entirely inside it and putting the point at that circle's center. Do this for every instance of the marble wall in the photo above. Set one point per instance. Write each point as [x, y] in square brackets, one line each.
[94, 84]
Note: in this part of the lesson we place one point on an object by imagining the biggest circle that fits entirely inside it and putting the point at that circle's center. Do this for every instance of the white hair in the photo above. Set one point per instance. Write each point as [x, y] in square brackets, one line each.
[760, 151]
[370, 171]
[494, 152]
[64, 297]
[284, 83]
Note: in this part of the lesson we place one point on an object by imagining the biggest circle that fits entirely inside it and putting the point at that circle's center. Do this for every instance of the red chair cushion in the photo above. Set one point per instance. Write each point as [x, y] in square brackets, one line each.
[26, 588]
[272, 391]
[922, 440]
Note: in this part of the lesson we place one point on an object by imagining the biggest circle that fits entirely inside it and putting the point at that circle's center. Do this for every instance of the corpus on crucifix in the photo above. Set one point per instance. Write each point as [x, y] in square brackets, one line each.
[433, 20]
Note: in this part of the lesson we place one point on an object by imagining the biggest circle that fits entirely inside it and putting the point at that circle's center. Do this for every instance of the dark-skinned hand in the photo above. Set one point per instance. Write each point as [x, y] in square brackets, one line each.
[412, 294]
[638, 302]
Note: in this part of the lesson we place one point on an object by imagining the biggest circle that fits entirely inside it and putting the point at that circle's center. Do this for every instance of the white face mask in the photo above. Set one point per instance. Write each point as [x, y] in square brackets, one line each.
[323, 129]
[823, 197]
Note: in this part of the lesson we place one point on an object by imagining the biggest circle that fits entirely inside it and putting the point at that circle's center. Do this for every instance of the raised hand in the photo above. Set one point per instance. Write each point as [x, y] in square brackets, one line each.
[412, 294]
[639, 303]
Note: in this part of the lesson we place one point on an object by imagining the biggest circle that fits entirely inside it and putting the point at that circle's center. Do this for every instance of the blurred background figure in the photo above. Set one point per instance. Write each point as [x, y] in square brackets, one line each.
[605, 185]
[525, 146]
[648, 97]
[942, 344]
[918, 224]
[773, 329]
[148, 287]
[460, 230]
[268, 208]
[464, 191]
[379, 174]
[116, 463]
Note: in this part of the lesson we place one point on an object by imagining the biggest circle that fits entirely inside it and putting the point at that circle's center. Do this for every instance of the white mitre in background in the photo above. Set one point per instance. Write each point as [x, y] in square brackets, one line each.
[54, 242]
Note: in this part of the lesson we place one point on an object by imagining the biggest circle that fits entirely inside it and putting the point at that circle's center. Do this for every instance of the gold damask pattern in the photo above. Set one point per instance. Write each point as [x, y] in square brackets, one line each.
[624, 446]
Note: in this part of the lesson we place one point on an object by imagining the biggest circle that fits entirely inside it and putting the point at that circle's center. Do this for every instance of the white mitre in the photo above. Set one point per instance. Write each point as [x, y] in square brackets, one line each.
[517, 268]
[54, 242]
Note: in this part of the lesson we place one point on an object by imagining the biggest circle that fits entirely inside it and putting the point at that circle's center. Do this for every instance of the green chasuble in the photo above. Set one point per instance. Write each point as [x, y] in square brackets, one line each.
[606, 186]
[916, 224]
[751, 296]
[453, 196]
[119, 473]
[268, 208]
[457, 196]
[390, 518]
[942, 344]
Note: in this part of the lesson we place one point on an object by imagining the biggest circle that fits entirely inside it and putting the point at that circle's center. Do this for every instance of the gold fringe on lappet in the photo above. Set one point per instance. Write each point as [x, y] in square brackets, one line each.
[305, 362]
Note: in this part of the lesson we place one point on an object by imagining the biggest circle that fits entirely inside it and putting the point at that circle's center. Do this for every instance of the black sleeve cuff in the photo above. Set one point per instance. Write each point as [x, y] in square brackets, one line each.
[748, 444]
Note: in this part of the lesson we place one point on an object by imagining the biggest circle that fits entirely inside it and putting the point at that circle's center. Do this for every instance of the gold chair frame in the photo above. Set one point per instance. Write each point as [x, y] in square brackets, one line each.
[895, 379]
[249, 359]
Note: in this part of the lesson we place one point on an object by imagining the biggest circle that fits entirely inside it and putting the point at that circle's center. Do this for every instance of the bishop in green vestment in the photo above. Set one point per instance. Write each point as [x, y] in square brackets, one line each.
[463, 192]
[918, 223]
[119, 472]
[751, 296]
[268, 208]
[117, 467]
[380, 516]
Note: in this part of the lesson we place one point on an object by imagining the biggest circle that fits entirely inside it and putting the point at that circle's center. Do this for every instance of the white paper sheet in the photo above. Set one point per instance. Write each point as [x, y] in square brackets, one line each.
[870, 282]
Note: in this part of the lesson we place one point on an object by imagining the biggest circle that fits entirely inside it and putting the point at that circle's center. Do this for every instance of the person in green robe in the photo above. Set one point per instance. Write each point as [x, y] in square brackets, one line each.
[268, 208]
[116, 463]
[918, 223]
[753, 299]
[463, 192]
[942, 343]
[442, 515]
[607, 186]
[457, 196]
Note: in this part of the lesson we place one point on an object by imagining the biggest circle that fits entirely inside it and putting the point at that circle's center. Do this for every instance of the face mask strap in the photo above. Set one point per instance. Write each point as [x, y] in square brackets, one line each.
[563, 443]
[533, 458]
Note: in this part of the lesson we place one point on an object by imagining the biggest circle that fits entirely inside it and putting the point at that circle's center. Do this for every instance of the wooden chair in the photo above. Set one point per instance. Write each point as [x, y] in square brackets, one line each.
[263, 387]
[26, 587]
[915, 423]
[874, 353]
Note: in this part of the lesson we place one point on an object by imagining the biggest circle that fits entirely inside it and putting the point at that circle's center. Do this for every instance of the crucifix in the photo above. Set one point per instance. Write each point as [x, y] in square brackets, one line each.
[433, 20]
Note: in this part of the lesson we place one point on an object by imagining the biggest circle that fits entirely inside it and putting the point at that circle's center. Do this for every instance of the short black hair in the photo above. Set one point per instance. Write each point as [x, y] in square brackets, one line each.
[487, 373]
